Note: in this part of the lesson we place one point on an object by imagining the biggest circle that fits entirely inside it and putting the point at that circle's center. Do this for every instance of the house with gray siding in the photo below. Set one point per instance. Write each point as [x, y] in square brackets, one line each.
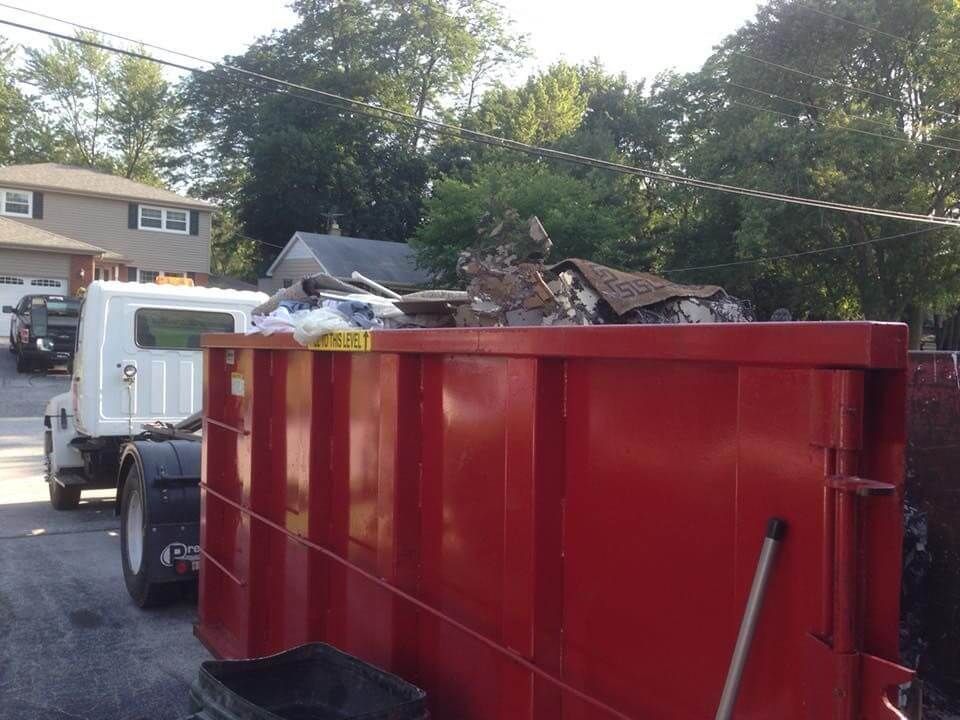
[392, 264]
[63, 227]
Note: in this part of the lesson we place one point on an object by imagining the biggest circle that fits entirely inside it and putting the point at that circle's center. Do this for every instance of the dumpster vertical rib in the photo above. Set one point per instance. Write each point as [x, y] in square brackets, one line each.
[339, 513]
[398, 490]
[549, 464]
[519, 533]
[215, 460]
[292, 489]
[258, 478]
[320, 492]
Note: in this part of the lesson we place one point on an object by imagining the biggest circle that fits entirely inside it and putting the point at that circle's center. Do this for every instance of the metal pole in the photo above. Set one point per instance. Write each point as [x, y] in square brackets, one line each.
[775, 531]
[357, 277]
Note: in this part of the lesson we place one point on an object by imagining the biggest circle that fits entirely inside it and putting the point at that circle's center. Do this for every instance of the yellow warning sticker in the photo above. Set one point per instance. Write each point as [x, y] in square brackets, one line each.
[343, 341]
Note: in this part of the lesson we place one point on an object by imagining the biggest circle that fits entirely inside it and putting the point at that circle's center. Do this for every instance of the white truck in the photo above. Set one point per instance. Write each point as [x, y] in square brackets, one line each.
[137, 374]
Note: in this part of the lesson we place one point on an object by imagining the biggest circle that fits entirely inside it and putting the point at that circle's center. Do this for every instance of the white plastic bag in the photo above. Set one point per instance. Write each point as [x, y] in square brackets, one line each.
[310, 325]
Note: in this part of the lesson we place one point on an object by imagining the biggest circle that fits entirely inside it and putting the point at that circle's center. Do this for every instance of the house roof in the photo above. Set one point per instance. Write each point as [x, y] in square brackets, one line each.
[84, 181]
[22, 236]
[380, 260]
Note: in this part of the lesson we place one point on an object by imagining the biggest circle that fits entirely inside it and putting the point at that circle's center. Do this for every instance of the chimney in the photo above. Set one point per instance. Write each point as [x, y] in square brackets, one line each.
[334, 228]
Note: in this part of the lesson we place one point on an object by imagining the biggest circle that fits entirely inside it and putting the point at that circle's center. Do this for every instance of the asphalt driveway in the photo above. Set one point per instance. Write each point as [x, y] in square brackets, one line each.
[72, 644]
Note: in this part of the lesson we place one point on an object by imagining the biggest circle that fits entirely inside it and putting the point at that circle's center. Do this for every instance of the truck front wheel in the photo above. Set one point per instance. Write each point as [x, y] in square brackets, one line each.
[63, 497]
[23, 364]
[133, 531]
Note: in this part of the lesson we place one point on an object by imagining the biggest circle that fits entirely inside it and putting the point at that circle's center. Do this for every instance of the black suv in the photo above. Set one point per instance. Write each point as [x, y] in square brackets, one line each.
[43, 330]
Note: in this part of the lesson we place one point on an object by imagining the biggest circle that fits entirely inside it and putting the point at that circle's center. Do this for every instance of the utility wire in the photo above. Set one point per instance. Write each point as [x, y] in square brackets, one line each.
[381, 113]
[836, 82]
[821, 108]
[845, 128]
[878, 31]
[787, 256]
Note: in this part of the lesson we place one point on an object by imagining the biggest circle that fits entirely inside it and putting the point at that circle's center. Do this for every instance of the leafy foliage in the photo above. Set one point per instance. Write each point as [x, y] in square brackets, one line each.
[24, 136]
[231, 252]
[109, 112]
[582, 220]
[285, 161]
[857, 139]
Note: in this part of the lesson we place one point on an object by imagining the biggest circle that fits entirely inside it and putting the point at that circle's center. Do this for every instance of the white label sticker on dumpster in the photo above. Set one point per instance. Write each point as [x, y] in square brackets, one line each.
[231, 358]
[237, 386]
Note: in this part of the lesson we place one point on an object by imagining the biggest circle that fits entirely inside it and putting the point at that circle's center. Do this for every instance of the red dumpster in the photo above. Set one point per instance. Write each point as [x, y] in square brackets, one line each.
[565, 522]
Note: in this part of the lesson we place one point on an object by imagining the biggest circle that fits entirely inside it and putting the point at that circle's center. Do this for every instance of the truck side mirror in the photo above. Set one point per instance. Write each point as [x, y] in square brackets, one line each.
[7, 309]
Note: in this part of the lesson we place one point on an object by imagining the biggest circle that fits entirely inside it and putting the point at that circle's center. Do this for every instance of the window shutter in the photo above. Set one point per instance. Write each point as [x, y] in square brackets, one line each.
[38, 206]
[131, 274]
[133, 219]
[194, 222]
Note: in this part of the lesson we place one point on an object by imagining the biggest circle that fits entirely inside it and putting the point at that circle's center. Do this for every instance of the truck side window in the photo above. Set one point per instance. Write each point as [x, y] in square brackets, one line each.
[167, 329]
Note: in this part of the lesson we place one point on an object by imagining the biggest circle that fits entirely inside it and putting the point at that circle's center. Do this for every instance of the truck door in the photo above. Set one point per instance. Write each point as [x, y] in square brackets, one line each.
[162, 344]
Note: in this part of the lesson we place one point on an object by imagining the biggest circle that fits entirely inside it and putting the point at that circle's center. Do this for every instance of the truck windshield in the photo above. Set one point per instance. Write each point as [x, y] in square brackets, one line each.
[178, 329]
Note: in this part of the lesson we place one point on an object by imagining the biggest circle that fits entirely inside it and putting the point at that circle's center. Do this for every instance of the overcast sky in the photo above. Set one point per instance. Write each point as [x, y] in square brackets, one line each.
[639, 37]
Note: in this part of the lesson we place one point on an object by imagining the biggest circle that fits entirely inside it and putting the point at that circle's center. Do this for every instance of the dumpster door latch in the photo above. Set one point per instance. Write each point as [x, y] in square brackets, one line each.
[860, 487]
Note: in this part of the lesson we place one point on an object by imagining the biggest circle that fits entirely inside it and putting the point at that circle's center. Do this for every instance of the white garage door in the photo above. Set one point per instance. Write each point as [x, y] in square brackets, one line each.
[14, 287]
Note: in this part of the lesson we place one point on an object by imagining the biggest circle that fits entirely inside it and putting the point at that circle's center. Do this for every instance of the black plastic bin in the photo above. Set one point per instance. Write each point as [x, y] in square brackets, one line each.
[310, 682]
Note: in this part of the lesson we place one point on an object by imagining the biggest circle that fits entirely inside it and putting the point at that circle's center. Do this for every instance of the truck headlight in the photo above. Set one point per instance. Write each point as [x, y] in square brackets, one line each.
[45, 344]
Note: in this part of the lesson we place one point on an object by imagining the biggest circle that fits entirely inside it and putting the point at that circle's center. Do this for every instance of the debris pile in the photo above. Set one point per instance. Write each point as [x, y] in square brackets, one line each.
[504, 275]
[507, 284]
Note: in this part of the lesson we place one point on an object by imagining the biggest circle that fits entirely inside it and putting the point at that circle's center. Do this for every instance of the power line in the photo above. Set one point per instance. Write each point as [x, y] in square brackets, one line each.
[878, 31]
[845, 128]
[821, 108]
[495, 141]
[787, 256]
[262, 242]
[836, 82]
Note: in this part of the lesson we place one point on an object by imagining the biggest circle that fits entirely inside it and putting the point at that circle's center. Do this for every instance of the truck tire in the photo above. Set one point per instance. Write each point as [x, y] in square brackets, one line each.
[23, 365]
[63, 498]
[133, 527]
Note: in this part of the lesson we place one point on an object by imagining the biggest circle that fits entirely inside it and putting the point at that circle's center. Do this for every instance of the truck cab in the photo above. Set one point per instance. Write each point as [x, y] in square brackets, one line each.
[138, 362]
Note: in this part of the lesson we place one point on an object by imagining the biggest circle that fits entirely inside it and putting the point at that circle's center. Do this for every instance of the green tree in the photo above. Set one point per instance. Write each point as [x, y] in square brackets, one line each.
[232, 253]
[497, 47]
[755, 124]
[73, 82]
[581, 219]
[141, 118]
[283, 160]
[24, 135]
[115, 113]
[549, 106]
[593, 213]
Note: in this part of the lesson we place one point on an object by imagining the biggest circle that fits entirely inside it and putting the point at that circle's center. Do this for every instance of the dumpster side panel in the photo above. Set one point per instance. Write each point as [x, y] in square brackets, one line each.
[649, 526]
[779, 472]
[462, 525]
[570, 534]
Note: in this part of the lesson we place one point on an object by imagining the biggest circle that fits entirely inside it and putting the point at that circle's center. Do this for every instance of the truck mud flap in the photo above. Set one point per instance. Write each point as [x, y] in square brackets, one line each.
[175, 550]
